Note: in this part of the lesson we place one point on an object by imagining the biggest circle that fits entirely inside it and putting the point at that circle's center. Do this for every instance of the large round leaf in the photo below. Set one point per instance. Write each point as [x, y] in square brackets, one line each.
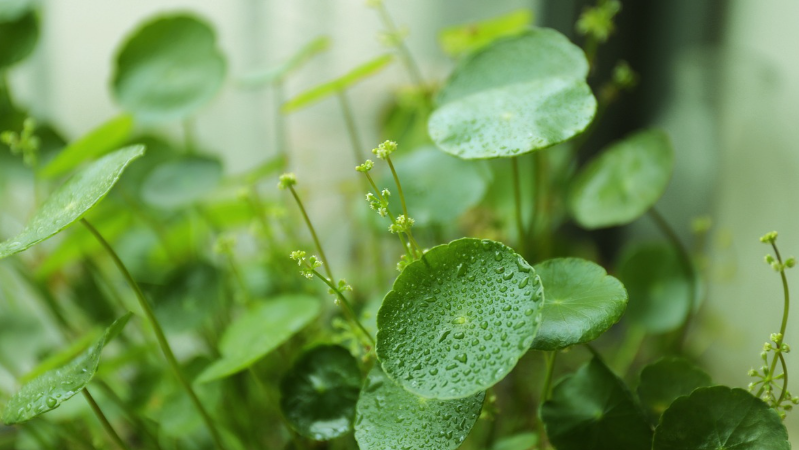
[318, 394]
[520, 94]
[720, 418]
[19, 33]
[457, 321]
[623, 182]
[665, 380]
[168, 69]
[181, 182]
[391, 417]
[582, 302]
[593, 410]
[71, 201]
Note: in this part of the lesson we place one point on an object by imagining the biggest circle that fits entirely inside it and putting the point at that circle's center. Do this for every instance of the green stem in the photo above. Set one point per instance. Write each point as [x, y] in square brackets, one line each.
[347, 306]
[629, 349]
[313, 232]
[784, 378]
[517, 197]
[159, 334]
[104, 421]
[352, 131]
[404, 206]
[390, 215]
[546, 390]
[405, 54]
[785, 292]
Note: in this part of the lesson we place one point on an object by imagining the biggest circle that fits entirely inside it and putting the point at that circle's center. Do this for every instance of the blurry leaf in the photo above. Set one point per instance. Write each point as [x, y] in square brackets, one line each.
[259, 331]
[14, 9]
[391, 417]
[71, 201]
[405, 120]
[720, 418]
[96, 143]
[318, 394]
[582, 301]
[462, 39]
[54, 387]
[62, 357]
[593, 410]
[665, 380]
[313, 95]
[159, 152]
[518, 95]
[180, 183]
[168, 69]
[188, 297]
[623, 182]
[521, 441]
[19, 35]
[268, 76]
[456, 322]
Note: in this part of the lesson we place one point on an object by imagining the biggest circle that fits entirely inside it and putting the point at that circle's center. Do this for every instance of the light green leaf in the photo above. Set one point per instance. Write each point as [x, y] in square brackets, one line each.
[71, 201]
[94, 144]
[623, 182]
[271, 75]
[457, 321]
[462, 39]
[518, 95]
[62, 357]
[319, 393]
[259, 331]
[54, 387]
[593, 410]
[665, 380]
[390, 417]
[179, 183]
[14, 9]
[168, 68]
[582, 302]
[19, 33]
[521, 441]
[720, 418]
[313, 95]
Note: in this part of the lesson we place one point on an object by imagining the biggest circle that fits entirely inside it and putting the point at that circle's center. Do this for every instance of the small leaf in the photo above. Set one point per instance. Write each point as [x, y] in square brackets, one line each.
[62, 356]
[521, 441]
[313, 95]
[623, 182]
[582, 302]
[593, 410]
[462, 39]
[457, 321]
[271, 75]
[720, 418]
[181, 182]
[96, 143]
[259, 331]
[318, 395]
[391, 417]
[54, 387]
[168, 69]
[665, 380]
[71, 201]
[19, 33]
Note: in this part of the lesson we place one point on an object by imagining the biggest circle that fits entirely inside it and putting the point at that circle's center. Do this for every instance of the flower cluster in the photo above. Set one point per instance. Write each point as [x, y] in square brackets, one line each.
[597, 21]
[307, 267]
[24, 143]
[286, 180]
[385, 149]
[769, 378]
[379, 204]
[401, 225]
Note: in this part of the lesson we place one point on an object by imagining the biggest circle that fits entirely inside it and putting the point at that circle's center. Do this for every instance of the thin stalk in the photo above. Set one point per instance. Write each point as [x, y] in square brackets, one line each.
[159, 334]
[784, 378]
[783, 325]
[313, 233]
[352, 130]
[546, 390]
[390, 215]
[404, 206]
[104, 421]
[517, 197]
[347, 306]
[405, 54]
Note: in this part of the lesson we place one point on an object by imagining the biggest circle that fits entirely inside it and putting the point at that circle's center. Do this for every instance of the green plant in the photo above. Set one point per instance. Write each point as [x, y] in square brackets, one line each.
[461, 348]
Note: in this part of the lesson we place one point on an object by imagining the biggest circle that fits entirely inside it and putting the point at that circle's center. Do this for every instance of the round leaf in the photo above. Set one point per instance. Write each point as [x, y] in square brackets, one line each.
[259, 331]
[720, 418]
[19, 33]
[69, 202]
[665, 380]
[179, 183]
[318, 394]
[582, 302]
[457, 321]
[623, 182]
[391, 417]
[593, 410]
[168, 69]
[520, 94]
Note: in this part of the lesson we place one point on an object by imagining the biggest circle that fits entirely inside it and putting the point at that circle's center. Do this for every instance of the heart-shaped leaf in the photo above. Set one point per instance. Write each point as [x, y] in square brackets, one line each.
[265, 77]
[665, 380]
[462, 39]
[582, 302]
[623, 182]
[168, 69]
[19, 33]
[593, 410]
[718, 417]
[518, 95]
[457, 321]
[47, 391]
[259, 331]
[71, 201]
[318, 395]
[181, 182]
[391, 417]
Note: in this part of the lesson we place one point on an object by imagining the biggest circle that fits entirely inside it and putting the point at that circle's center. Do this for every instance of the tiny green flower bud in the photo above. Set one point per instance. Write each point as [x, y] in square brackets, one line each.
[790, 262]
[366, 166]
[795, 400]
[785, 348]
[769, 238]
[769, 259]
[787, 407]
[776, 266]
[775, 337]
[385, 193]
[385, 149]
[286, 180]
[767, 347]
[781, 414]
[751, 387]
[298, 255]
[752, 373]
[700, 224]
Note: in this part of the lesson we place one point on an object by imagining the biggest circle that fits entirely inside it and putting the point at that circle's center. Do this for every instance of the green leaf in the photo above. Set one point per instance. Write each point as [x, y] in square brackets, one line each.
[462, 39]
[325, 90]
[518, 95]
[259, 331]
[71, 201]
[54, 387]
[62, 356]
[582, 302]
[19, 33]
[188, 297]
[593, 410]
[271, 75]
[457, 321]
[179, 183]
[319, 393]
[521, 441]
[391, 417]
[94, 144]
[623, 182]
[14, 9]
[168, 69]
[720, 418]
[665, 380]
[660, 292]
